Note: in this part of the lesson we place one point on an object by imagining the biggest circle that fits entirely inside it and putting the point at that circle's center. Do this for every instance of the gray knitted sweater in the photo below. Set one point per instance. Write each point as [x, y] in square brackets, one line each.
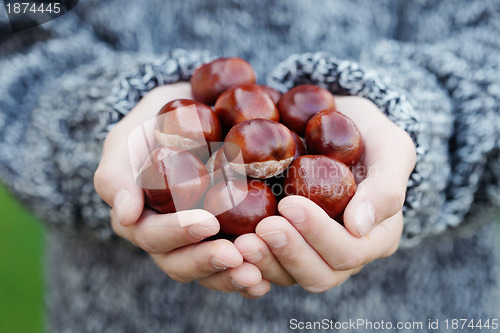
[433, 68]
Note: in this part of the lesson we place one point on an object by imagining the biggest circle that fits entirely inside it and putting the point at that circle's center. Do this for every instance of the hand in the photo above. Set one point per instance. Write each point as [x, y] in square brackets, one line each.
[174, 246]
[307, 247]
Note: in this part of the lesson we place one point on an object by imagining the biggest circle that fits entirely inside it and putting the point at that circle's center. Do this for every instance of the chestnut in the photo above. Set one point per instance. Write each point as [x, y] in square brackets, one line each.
[219, 168]
[267, 148]
[182, 127]
[240, 204]
[244, 102]
[324, 180]
[300, 147]
[210, 80]
[302, 102]
[273, 93]
[333, 134]
[276, 185]
[173, 180]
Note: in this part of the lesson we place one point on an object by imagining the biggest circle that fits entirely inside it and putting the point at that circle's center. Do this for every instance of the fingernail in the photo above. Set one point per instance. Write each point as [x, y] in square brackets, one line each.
[219, 264]
[121, 204]
[274, 239]
[238, 285]
[202, 231]
[253, 256]
[364, 217]
[295, 214]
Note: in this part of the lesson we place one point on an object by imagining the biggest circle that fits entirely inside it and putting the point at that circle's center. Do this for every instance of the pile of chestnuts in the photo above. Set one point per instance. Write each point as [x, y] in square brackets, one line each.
[239, 147]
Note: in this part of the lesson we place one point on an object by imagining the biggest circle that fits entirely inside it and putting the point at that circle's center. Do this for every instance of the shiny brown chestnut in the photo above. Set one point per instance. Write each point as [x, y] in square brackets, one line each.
[324, 180]
[240, 204]
[180, 126]
[333, 134]
[267, 148]
[219, 169]
[302, 102]
[245, 102]
[300, 147]
[276, 182]
[173, 180]
[210, 80]
[275, 94]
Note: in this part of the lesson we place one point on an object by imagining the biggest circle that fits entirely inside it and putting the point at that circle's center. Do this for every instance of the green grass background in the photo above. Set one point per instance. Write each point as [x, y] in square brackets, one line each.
[21, 274]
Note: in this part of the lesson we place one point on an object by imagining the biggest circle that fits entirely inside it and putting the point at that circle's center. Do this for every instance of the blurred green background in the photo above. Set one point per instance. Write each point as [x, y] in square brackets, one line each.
[21, 274]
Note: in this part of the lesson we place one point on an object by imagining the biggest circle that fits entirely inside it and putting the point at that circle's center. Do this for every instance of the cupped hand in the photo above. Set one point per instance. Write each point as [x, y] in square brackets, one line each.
[307, 247]
[172, 240]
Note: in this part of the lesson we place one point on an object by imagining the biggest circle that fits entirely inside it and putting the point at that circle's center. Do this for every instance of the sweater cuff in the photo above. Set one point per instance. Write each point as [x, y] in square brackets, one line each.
[177, 66]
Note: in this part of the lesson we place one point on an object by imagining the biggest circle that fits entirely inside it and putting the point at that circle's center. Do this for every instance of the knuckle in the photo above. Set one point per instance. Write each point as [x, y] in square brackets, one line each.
[357, 270]
[349, 262]
[408, 142]
[143, 241]
[287, 282]
[179, 277]
[320, 286]
[393, 248]
[396, 195]
[116, 228]
[102, 178]
[249, 296]
[405, 143]
[289, 260]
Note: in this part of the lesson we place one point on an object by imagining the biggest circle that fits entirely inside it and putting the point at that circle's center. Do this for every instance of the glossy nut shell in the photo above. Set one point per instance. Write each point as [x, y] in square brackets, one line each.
[173, 180]
[335, 135]
[245, 102]
[240, 204]
[273, 93]
[179, 127]
[327, 182]
[219, 169]
[300, 147]
[210, 80]
[259, 148]
[302, 102]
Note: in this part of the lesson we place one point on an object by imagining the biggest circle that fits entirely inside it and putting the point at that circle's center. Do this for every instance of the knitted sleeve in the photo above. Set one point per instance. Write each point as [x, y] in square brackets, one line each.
[465, 66]
[446, 95]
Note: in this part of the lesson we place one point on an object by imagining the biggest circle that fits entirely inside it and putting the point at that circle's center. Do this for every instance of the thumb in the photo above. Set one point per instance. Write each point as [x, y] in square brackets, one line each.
[382, 194]
[375, 201]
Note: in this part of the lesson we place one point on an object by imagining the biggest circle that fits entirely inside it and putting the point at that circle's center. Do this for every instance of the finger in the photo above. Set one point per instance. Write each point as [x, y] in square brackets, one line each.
[382, 193]
[259, 290]
[336, 245]
[200, 260]
[115, 178]
[357, 270]
[389, 158]
[300, 260]
[235, 279]
[254, 250]
[162, 233]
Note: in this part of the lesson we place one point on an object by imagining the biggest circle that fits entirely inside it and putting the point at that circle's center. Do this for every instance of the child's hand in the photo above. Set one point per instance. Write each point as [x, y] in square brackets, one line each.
[306, 246]
[175, 248]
